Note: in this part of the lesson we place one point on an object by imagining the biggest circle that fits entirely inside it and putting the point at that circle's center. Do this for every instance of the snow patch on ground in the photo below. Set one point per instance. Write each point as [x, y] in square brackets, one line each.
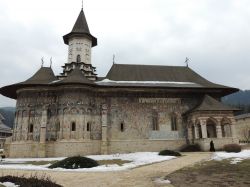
[23, 160]
[9, 184]
[162, 181]
[236, 157]
[137, 159]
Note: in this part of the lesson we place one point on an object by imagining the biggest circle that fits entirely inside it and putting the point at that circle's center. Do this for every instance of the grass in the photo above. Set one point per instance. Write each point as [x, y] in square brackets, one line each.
[213, 173]
[119, 162]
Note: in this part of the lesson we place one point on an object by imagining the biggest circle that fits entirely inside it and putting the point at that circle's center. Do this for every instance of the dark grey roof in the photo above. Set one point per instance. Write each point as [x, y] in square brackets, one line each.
[44, 75]
[80, 29]
[81, 25]
[3, 127]
[127, 72]
[242, 116]
[75, 77]
[210, 104]
[1, 117]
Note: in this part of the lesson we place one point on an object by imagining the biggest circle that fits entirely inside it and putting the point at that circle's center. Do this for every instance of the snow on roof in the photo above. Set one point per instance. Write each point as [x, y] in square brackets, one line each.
[143, 82]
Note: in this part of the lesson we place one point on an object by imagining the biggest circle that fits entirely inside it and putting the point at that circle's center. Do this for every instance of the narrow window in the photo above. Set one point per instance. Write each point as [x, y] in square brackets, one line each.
[173, 123]
[78, 58]
[58, 126]
[31, 128]
[88, 126]
[73, 126]
[122, 127]
[155, 122]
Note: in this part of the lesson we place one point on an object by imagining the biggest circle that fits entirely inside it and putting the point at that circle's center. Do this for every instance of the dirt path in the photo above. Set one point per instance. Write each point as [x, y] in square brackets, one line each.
[140, 177]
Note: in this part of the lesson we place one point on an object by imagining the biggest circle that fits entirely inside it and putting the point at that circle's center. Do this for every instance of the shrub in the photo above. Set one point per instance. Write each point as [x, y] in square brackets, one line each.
[191, 148]
[169, 153]
[75, 163]
[232, 148]
[33, 181]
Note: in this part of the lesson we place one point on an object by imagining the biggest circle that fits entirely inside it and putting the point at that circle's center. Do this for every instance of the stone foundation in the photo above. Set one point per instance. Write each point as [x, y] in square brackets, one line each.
[92, 147]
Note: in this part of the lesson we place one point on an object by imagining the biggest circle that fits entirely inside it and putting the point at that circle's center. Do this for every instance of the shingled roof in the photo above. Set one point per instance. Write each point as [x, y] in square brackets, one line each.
[80, 29]
[210, 104]
[44, 75]
[75, 77]
[171, 74]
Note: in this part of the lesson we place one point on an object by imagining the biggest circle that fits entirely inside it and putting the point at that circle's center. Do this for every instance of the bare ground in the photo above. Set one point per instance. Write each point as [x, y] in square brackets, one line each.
[140, 177]
[213, 173]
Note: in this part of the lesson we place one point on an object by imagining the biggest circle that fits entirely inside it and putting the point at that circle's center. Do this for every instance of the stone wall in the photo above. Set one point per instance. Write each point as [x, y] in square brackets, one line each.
[92, 147]
[243, 129]
[218, 143]
[127, 146]
[97, 120]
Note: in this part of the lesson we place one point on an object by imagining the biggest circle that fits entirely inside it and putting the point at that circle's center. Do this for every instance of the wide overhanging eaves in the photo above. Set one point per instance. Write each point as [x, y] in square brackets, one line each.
[11, 90]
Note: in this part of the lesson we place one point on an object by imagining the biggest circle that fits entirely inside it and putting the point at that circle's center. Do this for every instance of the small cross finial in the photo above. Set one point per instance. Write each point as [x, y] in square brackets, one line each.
[187, 61]
[42, 62]
[82, 4]
[113, 58]
[50, 61]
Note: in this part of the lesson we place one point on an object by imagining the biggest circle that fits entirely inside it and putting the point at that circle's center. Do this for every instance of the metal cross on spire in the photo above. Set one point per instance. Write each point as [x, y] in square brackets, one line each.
[187, 61]
[50, 61]
[42, 62]
[113, 58]
[82, 4]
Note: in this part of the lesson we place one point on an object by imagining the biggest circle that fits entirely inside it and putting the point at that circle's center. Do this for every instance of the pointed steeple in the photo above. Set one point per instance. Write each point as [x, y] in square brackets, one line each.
[81, 25]
[80, 29]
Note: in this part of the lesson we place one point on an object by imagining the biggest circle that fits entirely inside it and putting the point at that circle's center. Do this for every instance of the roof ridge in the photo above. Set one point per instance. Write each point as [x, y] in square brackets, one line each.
[151, 65]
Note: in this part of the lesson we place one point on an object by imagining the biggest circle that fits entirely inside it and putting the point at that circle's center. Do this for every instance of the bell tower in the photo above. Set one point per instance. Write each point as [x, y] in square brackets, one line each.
[80, 43]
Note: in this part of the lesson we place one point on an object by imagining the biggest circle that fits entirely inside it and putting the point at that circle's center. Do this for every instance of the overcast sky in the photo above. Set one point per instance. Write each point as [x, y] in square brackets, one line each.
[214, 34]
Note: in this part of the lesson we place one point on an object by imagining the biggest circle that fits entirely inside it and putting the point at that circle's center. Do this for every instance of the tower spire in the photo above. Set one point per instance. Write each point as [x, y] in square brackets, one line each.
[80, 29]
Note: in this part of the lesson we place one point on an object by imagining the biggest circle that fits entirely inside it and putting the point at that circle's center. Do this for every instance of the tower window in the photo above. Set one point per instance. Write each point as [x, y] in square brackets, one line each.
[88, 126]
[31, 128]
[73, 126]
[122, 127]
[78, 58]
[173, 123]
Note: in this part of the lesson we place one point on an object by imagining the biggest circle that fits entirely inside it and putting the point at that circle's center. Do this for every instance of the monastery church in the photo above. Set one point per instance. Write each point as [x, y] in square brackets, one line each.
[133, 108]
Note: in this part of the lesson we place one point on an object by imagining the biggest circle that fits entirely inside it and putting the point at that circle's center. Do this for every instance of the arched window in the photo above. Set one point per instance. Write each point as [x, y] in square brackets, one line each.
[78, 58]
[88, 126]
[226, 127]
[31, 127]
[122, 127]
[73, 126]
[173, 123]
[211, 128]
